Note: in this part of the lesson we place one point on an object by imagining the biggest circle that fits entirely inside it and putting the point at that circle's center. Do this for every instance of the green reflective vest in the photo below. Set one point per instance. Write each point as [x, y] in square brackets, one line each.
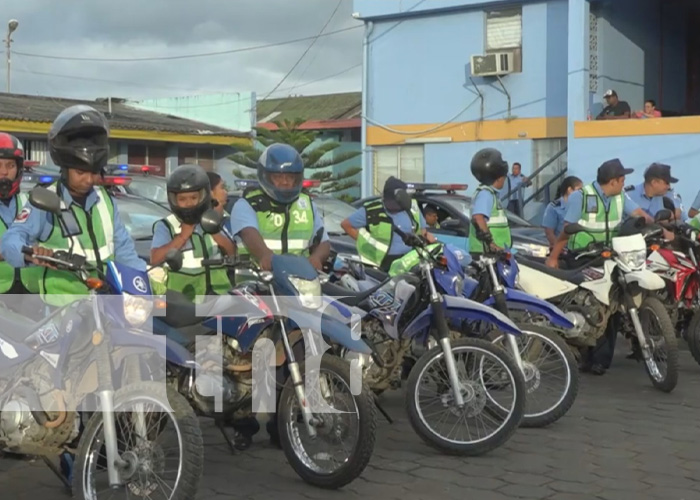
[28, 276]
[406, 263]
[286, 229]
[601, 223]
[374, 240]
[91, 235]
[497, 224]
[193, 279]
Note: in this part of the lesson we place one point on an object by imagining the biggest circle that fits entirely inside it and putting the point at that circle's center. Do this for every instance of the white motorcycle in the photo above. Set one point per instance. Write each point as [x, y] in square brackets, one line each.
[616, 280]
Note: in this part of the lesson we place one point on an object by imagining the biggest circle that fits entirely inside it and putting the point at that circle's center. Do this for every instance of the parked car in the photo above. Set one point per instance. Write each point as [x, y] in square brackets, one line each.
[454, 213]
[143, 182]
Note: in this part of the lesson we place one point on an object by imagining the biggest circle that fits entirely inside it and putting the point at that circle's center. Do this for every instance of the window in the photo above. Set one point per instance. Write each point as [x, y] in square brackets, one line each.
[504, 33]
[204, 157]
[137, 154]
[404, 162]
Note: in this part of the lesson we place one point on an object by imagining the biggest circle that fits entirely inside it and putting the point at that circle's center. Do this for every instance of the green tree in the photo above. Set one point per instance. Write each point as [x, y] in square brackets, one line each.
[317, 159]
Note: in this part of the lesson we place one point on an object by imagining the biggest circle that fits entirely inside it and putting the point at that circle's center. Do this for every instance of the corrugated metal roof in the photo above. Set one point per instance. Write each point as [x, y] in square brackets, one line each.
[324, 107]
[45, 109]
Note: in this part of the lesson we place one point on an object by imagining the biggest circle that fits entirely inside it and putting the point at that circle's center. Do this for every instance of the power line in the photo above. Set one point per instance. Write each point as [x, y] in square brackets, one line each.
[139, 84]
[320, 33]
[184, 56]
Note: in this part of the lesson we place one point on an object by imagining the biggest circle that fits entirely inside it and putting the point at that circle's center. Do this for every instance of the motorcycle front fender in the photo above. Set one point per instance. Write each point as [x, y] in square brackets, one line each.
[459, 308]
[524, 301]
[645, 279]
[337, 331]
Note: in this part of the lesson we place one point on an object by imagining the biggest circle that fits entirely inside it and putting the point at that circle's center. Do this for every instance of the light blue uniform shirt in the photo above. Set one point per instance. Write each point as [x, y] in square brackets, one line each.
[513, 183]
[243, 216]
[401, 219]
[9, 212]
[33, 226]
[574, 205]
[650, 205]
[678, 203]
[554, 214]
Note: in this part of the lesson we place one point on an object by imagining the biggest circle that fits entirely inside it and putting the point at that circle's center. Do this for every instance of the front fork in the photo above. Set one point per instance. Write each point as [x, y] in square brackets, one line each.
[633, 311]
[443, 337]
[499, 295]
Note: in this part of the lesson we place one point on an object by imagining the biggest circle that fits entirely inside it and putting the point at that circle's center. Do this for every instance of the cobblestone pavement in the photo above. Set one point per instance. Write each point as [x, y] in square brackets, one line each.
[621, 440]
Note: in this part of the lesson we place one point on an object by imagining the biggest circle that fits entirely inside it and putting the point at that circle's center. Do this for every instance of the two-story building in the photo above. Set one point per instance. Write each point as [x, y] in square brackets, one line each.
[538, 75]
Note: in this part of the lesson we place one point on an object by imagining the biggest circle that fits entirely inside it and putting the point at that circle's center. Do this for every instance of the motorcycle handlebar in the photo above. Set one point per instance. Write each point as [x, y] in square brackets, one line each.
[60, 259]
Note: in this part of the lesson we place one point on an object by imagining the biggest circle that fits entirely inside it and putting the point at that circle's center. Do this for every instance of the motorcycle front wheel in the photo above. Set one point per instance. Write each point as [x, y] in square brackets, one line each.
[345, 424]
[157, 467]
[662, 367]
[550, 372]
[493, 389]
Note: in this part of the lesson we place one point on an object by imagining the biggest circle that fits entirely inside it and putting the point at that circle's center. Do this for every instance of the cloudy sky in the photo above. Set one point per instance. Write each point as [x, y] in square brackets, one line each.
[131, 29]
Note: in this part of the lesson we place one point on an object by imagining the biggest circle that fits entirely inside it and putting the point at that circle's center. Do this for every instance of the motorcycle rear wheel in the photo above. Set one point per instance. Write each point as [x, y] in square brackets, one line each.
[666, 340]
[693, 337]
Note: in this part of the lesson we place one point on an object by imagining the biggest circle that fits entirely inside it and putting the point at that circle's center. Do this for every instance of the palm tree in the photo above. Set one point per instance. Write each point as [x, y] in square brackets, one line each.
[320, 158]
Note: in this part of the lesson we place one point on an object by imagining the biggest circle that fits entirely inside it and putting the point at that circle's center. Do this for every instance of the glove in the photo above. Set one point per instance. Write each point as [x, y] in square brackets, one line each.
[484, 236]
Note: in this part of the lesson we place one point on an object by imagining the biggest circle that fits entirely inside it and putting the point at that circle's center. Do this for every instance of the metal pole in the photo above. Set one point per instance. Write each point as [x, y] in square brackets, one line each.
[11, 27]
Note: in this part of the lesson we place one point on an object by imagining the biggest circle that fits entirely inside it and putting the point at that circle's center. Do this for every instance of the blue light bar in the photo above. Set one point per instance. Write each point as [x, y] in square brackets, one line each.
[244, 183]
[123, 167]
[47, 178]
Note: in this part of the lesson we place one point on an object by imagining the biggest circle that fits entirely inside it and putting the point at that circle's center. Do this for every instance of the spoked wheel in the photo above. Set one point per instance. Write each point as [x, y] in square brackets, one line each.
[693, 337]
[550, 372]
[493, 390]
[662, 362]
[345, 425]
[162, 449]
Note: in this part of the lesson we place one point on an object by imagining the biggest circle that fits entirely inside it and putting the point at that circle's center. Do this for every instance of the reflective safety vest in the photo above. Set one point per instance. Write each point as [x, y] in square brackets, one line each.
[601, 223]
[286, 229]
[89, 233]
[193, 279]
[28, 276]
[374, 240]
[498, 224]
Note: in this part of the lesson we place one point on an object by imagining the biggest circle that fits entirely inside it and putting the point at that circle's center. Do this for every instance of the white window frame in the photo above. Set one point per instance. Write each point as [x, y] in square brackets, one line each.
[400, 171]
[509, 18]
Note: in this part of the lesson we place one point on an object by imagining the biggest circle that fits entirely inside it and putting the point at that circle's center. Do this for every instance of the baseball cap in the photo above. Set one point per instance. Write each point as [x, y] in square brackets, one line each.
[612, 169]
[659, 171]
[610, 93]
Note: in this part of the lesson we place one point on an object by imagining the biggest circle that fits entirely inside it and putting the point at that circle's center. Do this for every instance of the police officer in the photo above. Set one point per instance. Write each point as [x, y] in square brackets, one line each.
[277, 217]
[189, 196]
[79, 145]
[600, 207]
[553, 218]
[649, 195]
[489, 221]
[14, 281]
[373, 227]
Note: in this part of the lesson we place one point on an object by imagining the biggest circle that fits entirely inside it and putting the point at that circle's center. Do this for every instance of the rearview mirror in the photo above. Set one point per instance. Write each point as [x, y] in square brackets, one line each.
[174, 259]
[663, 214]
[211, 221]
[46, 200]
[403, 199]
[574, 228]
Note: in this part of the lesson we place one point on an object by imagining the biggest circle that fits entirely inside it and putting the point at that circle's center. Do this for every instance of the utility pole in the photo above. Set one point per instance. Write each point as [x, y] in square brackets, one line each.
[11, 27]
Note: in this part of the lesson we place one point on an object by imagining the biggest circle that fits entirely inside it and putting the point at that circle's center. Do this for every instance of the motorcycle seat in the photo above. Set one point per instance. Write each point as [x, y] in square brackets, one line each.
[181, 311]
[16, 327]
[347, 296]
[574, 276]
[376, 274]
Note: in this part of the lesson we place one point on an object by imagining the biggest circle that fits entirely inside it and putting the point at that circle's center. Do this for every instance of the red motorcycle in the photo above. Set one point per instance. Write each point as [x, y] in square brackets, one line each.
[678, 266]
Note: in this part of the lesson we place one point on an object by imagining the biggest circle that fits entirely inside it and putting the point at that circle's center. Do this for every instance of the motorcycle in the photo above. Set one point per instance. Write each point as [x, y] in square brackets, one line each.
[281, 306]
[55, 372]
[493, 285]
[615, 280]
[474, 378]
[678, 266]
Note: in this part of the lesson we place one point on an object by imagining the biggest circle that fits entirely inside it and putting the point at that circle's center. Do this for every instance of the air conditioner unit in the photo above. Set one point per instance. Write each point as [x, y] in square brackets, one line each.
[496, 64]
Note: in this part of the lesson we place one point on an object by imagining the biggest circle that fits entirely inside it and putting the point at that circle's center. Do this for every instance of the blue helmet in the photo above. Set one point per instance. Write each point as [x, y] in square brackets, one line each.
[281, 159]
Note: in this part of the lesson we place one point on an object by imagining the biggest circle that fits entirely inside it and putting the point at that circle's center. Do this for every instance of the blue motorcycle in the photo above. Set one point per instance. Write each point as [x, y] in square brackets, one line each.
[66, 388]
[464, 396]
[280, 308]
[545, 360]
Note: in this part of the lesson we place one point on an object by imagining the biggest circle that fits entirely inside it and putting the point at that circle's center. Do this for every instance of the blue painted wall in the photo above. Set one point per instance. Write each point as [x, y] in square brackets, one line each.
[682, 152]
[419, 69]
[640, 57]
[379, 8]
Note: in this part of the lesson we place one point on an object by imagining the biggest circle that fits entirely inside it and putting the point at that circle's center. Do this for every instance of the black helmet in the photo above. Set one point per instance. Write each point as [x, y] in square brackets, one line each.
[11, 149]
[488, 165]
[189, 179]
[281, 159]
[79, 139]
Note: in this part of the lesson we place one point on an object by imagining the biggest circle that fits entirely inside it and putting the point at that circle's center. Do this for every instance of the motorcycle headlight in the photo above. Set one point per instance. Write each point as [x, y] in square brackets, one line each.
[309, 292]
[137, 310]
[458, 282]
[635, 259]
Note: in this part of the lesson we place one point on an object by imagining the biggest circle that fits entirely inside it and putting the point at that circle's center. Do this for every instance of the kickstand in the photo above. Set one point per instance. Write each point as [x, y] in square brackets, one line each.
[238, 442]
[58, 473]
[382, 410]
